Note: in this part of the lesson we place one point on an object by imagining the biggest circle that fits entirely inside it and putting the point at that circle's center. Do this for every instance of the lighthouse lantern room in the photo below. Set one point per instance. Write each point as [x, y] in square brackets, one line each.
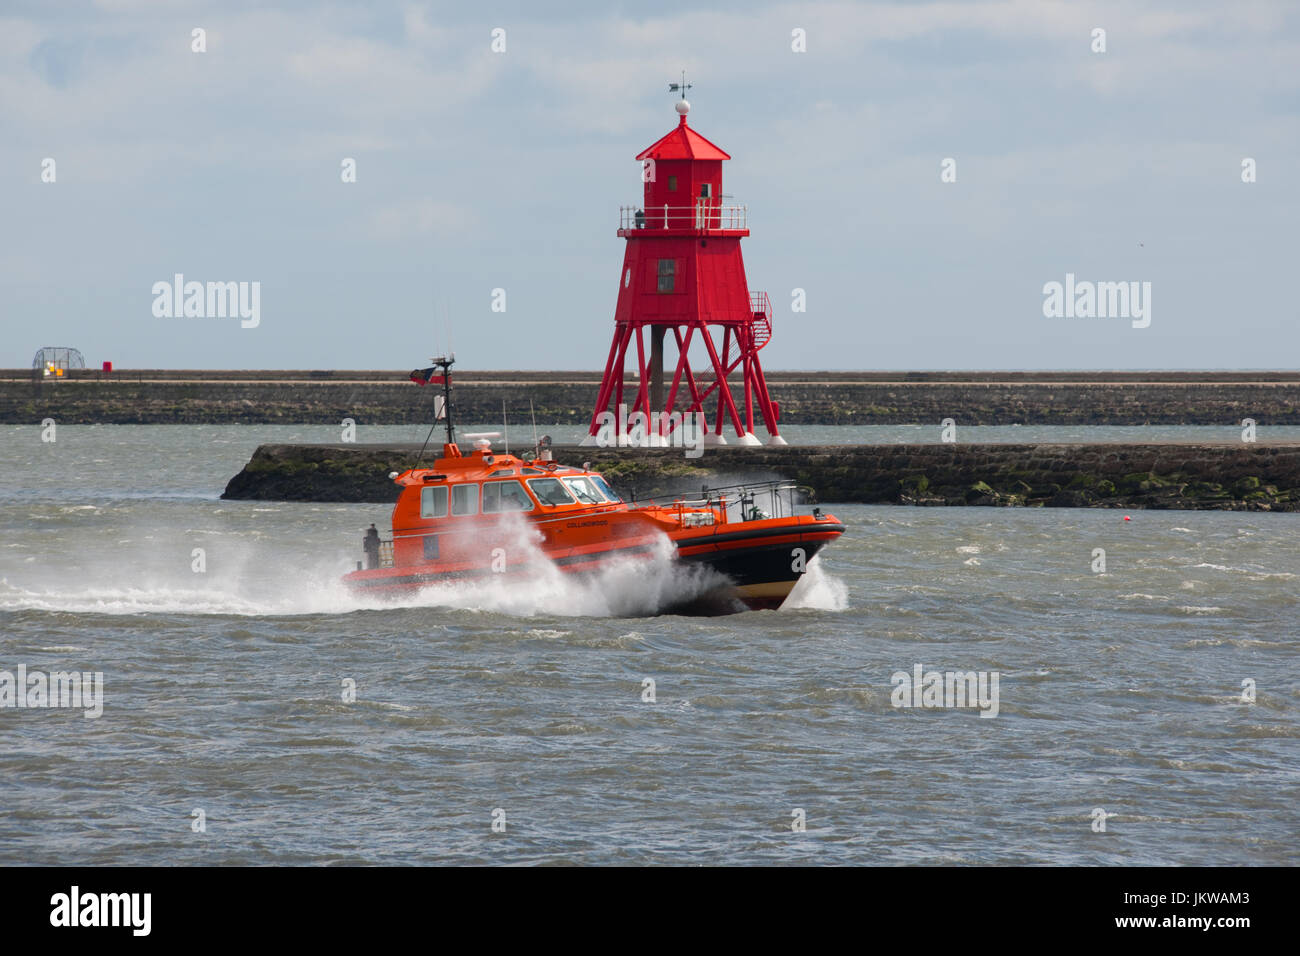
[683, 285]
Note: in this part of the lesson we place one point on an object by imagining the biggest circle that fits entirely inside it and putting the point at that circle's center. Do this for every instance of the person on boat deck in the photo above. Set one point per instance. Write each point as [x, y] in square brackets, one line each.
[372, 547]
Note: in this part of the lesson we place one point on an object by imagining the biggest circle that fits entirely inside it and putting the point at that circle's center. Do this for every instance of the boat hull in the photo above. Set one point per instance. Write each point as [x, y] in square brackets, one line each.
[758, 565]
[762, 560]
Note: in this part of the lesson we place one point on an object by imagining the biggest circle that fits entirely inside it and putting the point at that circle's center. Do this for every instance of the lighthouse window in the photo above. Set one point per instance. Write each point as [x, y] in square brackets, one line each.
[464, 499]
[433, 502]
[672, 184]
[667, 271]
[706, 190]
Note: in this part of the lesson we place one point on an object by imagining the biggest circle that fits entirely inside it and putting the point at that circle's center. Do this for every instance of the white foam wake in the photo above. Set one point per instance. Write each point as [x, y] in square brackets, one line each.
[818, 589]
[267, 578]
[258, 580]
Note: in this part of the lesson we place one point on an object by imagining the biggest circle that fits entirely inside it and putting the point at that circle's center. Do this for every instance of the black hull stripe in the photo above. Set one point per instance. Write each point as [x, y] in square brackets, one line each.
[765, 565]
[757, 533]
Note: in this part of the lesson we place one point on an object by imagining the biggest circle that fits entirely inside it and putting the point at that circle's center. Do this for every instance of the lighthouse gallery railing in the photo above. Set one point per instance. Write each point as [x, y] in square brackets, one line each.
[703, 215]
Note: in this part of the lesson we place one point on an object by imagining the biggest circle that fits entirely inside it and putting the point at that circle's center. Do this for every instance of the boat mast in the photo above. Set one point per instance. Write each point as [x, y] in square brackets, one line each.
[445, 363]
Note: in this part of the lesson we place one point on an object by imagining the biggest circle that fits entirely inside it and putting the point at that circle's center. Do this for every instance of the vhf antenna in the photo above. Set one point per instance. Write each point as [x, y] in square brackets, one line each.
[445, 363]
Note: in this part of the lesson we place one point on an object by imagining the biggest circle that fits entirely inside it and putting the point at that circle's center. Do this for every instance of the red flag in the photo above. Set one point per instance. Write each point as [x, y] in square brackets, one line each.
[425, 376]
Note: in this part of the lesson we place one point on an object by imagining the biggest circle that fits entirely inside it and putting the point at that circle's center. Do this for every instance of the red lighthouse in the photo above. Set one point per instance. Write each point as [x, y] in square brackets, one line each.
[683, 279]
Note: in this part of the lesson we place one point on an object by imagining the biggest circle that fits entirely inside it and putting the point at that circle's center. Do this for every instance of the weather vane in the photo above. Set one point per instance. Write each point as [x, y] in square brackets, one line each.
[683, 86]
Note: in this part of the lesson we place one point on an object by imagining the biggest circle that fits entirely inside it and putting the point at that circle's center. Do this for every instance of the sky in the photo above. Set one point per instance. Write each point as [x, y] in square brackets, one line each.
[480, 169]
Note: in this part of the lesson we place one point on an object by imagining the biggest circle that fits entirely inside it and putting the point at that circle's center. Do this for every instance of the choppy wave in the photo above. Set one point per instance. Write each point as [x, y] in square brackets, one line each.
[224, 690]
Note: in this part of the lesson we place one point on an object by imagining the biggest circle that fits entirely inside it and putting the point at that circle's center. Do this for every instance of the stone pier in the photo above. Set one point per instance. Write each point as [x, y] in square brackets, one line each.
[1236, 476]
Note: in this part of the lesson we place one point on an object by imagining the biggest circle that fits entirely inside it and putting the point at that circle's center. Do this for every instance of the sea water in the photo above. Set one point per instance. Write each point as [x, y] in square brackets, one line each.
[256, 712]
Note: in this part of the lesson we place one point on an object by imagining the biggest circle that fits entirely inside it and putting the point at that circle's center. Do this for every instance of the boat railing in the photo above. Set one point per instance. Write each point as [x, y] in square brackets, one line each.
[754, 501]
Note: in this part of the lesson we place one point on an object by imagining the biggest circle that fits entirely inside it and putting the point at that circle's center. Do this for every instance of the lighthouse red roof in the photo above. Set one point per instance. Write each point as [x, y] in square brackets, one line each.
[682, 143]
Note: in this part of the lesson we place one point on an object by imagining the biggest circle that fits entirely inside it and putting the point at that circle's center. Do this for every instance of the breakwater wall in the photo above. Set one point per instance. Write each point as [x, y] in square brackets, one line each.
[805, 398]
[1257, 477]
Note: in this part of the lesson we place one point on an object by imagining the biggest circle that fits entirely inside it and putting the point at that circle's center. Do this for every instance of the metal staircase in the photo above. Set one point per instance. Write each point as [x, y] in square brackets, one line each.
[761, 325]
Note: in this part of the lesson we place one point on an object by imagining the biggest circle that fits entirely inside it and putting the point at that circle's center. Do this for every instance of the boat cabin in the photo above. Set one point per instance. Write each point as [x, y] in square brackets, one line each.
[465, 504]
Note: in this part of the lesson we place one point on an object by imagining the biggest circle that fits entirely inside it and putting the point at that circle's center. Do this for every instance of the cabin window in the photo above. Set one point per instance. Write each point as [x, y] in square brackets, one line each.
[501, 471]
[500, 496]
[672, 184]
[464, 499]
[604, 487]
[550, 491]
[433, 502]
[431, 546]
[584, 491]
[667, 274]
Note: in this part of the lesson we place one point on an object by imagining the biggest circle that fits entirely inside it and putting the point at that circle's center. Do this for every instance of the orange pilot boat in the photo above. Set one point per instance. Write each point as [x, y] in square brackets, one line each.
[480, 514]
